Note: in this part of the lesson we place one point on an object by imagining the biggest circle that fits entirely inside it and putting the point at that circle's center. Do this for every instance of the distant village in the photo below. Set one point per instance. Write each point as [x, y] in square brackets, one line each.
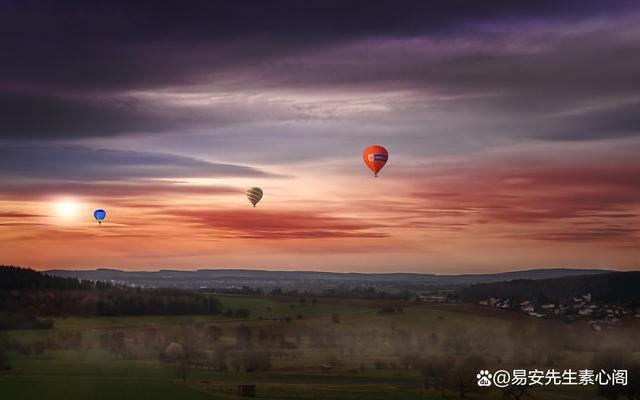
[599, 316]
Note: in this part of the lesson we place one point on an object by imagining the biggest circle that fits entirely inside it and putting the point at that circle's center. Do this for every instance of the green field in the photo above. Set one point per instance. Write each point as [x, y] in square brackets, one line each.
[323, 351]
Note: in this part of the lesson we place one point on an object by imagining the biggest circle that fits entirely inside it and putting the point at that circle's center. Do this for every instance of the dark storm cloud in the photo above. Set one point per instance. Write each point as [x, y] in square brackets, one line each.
[81, 164]
[128, 45]
[73, 70]
[617, 122]
[38, 117]
[530, 75]
[29, 117]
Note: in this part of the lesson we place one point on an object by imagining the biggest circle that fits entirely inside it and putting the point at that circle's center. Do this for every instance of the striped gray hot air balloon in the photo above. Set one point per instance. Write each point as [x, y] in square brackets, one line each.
[254, 195]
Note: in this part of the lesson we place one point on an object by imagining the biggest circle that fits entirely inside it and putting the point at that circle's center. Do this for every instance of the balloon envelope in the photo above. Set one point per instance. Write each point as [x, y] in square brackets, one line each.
[254, 195]
[99, 215]
[375, 157]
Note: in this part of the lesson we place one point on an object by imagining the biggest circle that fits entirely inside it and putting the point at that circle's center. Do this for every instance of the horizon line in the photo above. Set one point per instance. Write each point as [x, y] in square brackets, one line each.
[599, 269]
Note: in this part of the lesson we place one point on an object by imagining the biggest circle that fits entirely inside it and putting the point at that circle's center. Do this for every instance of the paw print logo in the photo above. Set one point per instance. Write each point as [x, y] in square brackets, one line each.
[484, 378]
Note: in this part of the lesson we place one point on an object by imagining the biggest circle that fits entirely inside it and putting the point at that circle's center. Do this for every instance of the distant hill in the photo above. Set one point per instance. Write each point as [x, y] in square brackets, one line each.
[305, 280]
[614, 287]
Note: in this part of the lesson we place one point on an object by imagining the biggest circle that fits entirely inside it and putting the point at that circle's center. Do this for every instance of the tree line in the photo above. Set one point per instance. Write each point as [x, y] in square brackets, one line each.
[26, 294]
[19, 278]
[617, 287]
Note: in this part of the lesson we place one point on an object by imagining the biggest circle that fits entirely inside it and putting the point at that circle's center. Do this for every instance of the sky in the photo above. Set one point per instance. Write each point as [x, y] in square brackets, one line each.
[513, 131]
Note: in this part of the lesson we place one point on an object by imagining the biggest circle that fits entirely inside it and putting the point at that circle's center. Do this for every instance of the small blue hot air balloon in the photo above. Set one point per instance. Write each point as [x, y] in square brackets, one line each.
[99, 215]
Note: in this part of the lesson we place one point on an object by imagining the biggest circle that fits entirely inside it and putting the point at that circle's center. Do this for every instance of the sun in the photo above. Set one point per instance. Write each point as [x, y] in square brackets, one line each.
[67, 209]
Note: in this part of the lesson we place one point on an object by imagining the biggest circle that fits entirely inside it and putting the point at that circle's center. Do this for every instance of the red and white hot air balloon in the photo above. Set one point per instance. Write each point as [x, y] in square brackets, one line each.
[375, 157]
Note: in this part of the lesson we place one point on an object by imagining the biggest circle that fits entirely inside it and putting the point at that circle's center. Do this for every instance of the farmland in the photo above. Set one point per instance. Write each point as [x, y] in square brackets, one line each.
[289, 350]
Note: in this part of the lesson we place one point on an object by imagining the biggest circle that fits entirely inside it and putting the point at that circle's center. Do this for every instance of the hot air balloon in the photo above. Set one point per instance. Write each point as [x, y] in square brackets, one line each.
[254, 195]
[99, 215]
[375, 157]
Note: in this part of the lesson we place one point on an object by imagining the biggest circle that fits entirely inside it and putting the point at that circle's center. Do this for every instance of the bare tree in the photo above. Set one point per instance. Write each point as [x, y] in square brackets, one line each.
[632, 390]
[608, 361]
[256, 360]
[219, 359]
[4, 356]
[463, 374]
[175, 352]
[516, 392]
[117, 345]
[435, 371]
[457, 341]
[243, 336]
[214, 333]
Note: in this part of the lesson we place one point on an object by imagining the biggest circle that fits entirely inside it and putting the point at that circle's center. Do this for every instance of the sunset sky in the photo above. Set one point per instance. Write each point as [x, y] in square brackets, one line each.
[513, 131]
